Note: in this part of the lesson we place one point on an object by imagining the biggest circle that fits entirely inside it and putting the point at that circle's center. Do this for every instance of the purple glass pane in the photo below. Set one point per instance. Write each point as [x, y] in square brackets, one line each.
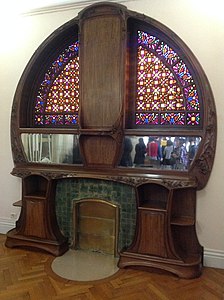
[172, 118]
[183, 73]
[54, 120]
[147, 40]
[168, 53]
[146, 118]
[191, 95]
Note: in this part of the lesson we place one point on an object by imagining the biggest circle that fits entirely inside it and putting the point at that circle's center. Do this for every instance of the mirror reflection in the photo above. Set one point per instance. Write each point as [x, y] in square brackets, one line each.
[52, 148]
[174, 153]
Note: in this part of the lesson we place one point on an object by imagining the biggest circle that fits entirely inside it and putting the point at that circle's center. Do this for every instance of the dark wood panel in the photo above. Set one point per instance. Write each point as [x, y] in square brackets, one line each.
[99, 150]
[152, 233]
[101, 67]
[35, 225]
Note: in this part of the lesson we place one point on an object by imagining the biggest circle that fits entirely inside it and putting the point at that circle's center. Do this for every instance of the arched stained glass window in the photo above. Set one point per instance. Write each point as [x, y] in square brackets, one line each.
[166, 91]
[57, 101]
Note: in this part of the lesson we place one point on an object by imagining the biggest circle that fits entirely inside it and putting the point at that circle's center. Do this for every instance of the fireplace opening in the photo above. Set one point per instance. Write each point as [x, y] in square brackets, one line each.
[96, 223]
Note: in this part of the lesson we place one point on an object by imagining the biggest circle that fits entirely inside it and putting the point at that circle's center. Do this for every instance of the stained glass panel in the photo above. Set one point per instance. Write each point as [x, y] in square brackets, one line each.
[54, 119]
[39, 119]
[165, 86]
[157, 88]
[63, 95]
[172, 118]
[193, 119]
[59, 91]
[147, 118]
[191, 95]
[183, 73]
[168, 53]
[71, 119]
[150, 41]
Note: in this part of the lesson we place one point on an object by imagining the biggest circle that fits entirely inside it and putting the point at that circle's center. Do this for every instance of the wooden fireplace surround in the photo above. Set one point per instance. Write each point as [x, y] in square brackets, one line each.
[165, 236]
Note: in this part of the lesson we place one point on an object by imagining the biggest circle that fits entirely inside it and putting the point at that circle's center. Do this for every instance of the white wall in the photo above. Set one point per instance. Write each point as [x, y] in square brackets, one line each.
[198, 23]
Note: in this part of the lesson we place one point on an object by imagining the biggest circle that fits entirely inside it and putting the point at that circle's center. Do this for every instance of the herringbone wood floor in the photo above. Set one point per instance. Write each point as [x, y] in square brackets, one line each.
[26, 275]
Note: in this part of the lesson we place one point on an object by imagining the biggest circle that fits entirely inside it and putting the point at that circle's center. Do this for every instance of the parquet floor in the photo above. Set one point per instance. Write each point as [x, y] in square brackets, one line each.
[26, 275]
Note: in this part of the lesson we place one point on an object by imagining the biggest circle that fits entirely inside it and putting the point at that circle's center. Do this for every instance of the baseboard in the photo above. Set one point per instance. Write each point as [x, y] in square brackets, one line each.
[6, 225]
[212, 258]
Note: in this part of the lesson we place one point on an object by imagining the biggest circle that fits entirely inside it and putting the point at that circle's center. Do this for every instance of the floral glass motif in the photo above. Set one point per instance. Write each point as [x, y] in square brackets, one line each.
[57, 102]
[166, 91]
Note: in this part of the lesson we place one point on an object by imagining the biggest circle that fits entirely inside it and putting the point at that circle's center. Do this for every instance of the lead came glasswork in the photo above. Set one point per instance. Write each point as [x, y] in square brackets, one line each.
[172, 118]
[166, 91]
[59, 91]
[168, 53]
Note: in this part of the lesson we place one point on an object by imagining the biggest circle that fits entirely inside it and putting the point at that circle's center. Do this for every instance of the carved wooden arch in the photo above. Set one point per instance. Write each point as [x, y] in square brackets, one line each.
[110, 133]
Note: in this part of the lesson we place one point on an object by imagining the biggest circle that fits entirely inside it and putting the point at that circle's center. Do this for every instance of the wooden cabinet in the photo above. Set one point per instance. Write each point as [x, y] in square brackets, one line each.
[134, 79]
[37, 226]
[165, 233]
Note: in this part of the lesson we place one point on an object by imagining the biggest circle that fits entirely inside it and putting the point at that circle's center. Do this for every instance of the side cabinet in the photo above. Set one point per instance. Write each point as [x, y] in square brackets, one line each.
[37, 226]
[165, 231]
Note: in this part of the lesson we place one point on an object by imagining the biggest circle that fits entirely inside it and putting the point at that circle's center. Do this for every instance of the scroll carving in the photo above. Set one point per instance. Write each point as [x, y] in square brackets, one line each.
[16, 145]
[203, 164]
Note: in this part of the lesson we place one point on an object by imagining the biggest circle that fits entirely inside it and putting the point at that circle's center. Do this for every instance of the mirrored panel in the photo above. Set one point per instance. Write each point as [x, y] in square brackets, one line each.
[52, 148]
[174, 153]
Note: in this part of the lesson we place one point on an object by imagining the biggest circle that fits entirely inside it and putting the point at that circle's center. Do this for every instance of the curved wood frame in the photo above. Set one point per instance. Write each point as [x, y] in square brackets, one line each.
[21, 119]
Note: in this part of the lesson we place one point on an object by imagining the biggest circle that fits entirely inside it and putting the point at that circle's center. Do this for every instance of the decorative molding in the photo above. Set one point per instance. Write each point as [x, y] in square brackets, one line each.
[18, 155]
[65, 5]
[179, 183]
[214, 258]
[6, 225]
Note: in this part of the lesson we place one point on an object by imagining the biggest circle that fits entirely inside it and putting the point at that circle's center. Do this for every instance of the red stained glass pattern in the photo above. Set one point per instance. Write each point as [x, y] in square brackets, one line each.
[157, 88]
[57, 102]
[165, 86]
[63, 95]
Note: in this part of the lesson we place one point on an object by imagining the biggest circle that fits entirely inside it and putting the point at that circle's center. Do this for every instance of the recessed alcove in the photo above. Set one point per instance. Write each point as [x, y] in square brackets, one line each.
[95, 223]
[71, 190]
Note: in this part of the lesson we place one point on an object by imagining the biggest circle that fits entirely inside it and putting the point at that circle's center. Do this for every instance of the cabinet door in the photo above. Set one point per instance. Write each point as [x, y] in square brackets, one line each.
[35, 224]
[152, 233]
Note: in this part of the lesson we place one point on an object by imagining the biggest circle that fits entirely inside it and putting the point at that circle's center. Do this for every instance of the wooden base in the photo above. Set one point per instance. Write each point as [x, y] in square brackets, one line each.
[56, 248]
[188, 270]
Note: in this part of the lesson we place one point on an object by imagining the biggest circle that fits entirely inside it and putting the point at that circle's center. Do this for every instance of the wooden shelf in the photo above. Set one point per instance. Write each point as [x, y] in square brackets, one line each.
[18, 203]
[37, 196]
[183, 221]
[153, 204]
[151, 207]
